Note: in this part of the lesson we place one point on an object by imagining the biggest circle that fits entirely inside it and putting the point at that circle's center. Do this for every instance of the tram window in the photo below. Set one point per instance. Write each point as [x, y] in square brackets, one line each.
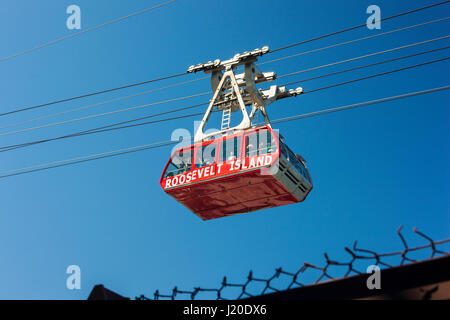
[206, 155]
[259, 143]
[230, 149]
[180, 163]
[297, 163]
[283, 150]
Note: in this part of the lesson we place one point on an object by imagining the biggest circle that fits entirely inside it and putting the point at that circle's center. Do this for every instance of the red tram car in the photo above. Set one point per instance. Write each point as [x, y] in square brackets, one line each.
[240, 168]
[237, 173]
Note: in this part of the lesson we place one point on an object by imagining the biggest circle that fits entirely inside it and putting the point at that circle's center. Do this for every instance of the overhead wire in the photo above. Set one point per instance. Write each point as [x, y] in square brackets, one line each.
[185, 73]
[55, 164]
[101, 103]
[206, 93]
[358, 105]
[203, 78]
[353, 41]
[364, 56]
[85, 31]
[110, 127]
[92, 94]
[97, 156]
[371, 76]
[105, 114]
[370, 65]
[358, 26]
[114, 127]
[442, 19]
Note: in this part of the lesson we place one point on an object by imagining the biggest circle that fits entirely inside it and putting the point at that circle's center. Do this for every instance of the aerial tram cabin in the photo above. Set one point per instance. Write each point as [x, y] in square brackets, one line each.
[240, 169]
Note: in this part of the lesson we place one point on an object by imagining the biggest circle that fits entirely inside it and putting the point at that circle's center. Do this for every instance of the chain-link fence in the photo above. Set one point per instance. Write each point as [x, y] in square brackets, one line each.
[294, 279]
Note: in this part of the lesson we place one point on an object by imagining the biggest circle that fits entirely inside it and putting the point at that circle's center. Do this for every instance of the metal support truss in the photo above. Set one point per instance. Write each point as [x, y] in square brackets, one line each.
[235, 92]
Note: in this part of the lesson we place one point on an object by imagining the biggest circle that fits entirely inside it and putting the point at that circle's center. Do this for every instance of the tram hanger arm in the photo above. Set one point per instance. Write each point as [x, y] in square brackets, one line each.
[238, 59]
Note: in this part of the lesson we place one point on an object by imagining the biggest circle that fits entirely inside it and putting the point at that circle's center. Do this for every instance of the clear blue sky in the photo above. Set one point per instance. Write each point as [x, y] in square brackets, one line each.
[373, 168]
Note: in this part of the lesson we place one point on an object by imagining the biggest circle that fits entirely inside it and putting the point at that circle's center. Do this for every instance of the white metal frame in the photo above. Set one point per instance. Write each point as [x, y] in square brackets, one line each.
[235, 92]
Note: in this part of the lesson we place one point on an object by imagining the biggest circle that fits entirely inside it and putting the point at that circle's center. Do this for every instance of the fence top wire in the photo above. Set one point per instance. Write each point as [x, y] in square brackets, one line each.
[357, 255]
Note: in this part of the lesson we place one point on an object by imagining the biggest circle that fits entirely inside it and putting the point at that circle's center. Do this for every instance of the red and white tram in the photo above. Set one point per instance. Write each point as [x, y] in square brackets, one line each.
[240, 169]
[230, 175]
